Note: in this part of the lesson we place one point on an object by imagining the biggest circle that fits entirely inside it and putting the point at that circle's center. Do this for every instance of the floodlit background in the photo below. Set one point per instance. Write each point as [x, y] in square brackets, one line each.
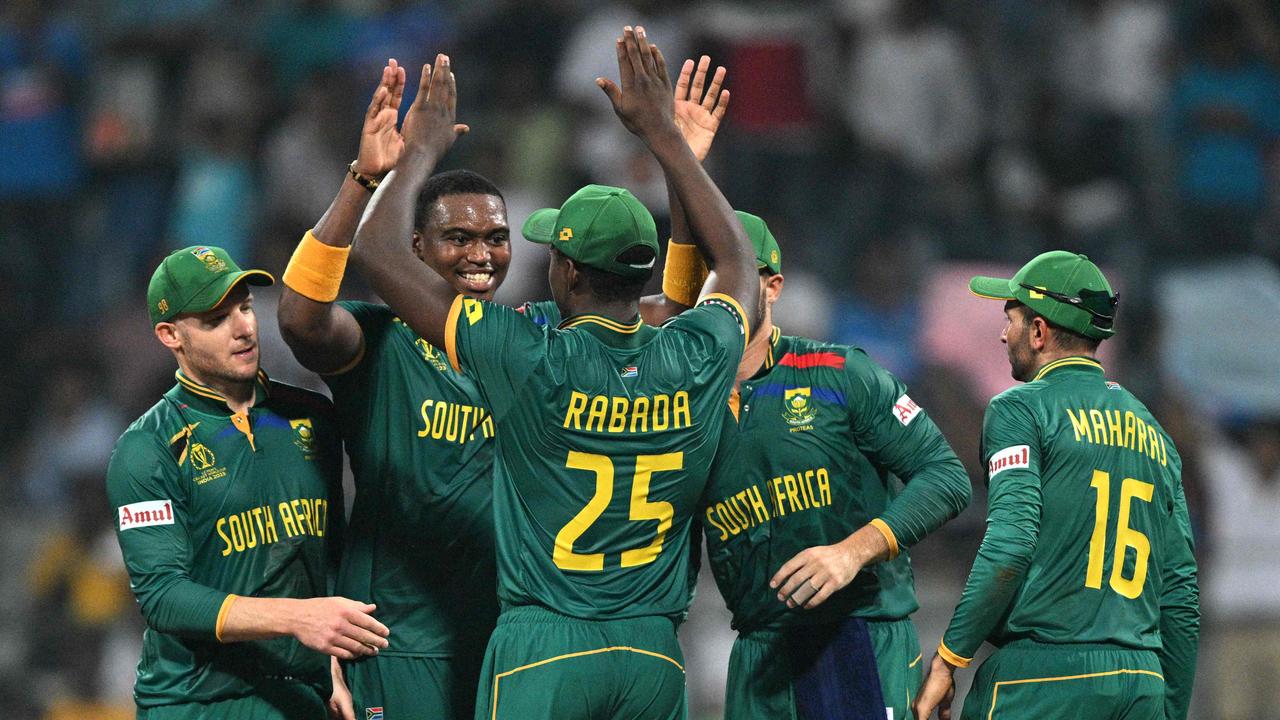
[894, 146]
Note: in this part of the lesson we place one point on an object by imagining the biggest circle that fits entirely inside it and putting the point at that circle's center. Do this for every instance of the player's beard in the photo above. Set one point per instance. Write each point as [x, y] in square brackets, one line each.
[1021, 361]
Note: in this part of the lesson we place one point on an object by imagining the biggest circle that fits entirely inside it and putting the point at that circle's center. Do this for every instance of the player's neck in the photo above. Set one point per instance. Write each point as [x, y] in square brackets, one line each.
[240, 396]
[757, 348]
[1051, 356]
[623, 311]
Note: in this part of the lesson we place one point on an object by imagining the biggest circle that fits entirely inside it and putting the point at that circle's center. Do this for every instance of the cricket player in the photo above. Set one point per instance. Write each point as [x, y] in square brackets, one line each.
[228, 506]
[829, 470]
[423, 475]
[420, 542]
[1085, 580]
[605, 425]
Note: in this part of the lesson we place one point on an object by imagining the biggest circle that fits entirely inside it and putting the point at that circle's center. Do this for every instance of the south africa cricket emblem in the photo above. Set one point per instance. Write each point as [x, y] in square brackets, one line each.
[211, 261]
[797, 409]
[303, 434]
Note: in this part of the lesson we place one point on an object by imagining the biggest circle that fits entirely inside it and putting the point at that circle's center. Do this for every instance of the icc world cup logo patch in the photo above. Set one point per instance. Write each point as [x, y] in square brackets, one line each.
[303, 434]
[797, 409]
[202, 458]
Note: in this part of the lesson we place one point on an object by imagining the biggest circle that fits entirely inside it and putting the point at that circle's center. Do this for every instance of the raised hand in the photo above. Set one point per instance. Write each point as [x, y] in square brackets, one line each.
[429, 126]
[698, 114]
[644, 102]
[380, 140]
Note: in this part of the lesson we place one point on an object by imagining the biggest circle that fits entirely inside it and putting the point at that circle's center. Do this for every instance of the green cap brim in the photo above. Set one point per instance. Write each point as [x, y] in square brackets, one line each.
[212, 295]
[992, 288]
[541, 226]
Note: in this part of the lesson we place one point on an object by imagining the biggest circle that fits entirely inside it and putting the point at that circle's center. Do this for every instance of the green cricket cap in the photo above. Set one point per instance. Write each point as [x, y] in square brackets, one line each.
[196, 279]
[1066, 288]
[595, 226]
[768, 255]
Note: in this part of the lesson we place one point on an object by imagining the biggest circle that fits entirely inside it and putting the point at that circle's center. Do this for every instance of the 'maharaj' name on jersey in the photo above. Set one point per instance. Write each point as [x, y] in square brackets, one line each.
[1127, 430]
[640, 414]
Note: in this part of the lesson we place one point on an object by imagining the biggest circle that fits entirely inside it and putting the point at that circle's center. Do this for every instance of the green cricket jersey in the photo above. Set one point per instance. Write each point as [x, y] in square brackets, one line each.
[419, 543]
[606, 431]
[1088, 539]
[822, 431]
[211, 504]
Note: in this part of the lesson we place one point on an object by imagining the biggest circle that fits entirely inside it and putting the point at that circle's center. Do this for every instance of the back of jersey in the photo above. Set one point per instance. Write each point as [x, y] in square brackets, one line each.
[1112, 514]
[605, 432]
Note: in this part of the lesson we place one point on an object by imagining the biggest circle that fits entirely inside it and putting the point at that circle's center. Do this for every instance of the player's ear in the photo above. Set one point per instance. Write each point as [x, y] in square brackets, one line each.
[167, 334]
[417, 242]
[773, 287]
[574, 280]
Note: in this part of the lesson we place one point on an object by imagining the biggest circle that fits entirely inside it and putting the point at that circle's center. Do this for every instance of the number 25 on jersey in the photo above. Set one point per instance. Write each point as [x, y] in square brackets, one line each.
[641, 509]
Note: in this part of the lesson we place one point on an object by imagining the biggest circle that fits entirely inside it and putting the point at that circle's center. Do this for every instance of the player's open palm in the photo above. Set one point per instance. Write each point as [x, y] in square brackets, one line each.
[429, 126]
[340, 627]
[644, 101]
[814, 575]
[380, 140]
[699, 109]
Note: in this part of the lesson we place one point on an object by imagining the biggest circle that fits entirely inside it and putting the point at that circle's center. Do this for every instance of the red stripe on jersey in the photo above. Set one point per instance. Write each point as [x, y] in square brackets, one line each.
[813, 360]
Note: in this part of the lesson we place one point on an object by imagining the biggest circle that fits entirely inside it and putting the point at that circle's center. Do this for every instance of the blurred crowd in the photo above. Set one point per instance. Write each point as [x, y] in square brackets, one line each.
[894, 147]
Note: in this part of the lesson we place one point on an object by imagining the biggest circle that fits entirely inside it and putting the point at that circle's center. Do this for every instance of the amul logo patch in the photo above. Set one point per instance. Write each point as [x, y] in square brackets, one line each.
[1018, 456]
[146, 514]
[905, 410]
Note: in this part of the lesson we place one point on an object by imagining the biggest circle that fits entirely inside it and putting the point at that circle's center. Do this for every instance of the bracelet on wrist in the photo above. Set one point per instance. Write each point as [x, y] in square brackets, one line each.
[367, 182]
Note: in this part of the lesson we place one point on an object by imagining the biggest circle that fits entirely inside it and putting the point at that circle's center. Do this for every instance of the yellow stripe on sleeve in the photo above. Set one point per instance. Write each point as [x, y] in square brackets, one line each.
[889, 537]
[222, 616]
[451, 333]
[951, 657]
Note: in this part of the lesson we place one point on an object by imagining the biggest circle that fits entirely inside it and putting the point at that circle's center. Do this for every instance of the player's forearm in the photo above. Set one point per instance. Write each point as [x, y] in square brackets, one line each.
[181, 607]
[251, 618]
[417, 294]
[934, 494]
[1006, 553]
[714, 227]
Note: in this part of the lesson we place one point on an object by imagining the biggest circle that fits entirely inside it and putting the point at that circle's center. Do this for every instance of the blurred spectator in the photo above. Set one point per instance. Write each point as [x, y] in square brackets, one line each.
[43, 59]
[1225, 116]
[1239, 587]
[70, 436]
[880, 310]
[914, 104]
[304, 39]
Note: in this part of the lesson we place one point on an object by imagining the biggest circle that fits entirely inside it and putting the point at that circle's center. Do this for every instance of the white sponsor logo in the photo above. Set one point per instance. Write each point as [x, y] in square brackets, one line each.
[1018, 456]
[905, 409]
[146, 514]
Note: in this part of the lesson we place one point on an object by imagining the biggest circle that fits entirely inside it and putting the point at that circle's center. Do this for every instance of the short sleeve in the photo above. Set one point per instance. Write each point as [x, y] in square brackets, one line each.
[495, 344]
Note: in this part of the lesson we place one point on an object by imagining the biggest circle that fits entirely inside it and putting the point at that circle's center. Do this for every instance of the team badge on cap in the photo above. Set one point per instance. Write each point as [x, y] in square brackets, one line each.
[211, 261]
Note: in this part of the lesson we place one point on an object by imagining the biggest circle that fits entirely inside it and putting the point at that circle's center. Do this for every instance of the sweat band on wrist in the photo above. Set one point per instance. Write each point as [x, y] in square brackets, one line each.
[315, 270]
[683, 274]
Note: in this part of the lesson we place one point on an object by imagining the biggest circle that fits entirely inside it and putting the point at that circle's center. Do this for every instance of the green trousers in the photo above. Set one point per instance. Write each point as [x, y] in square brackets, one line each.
[759, 681]
[414, 688]
[544, 666]
[1025, 679]
[277, 701]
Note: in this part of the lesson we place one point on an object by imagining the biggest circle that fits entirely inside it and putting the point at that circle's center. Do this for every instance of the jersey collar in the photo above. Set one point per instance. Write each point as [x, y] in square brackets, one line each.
[1079, 362]
[777, 348]
[206, 399]
[610, 332]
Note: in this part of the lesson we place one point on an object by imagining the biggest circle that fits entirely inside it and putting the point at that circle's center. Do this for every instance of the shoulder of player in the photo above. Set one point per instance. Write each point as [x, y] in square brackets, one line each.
[1019, 399]
[288, 398]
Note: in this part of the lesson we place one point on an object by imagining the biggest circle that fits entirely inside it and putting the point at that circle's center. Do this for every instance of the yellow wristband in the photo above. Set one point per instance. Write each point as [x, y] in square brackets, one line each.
[223, 611]
[684, 273]
[951, 657]
[315, 270]
[889, 537]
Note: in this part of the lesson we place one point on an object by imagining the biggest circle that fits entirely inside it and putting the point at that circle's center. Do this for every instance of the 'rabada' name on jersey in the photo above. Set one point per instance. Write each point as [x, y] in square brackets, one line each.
[789, 493]
[619, 414]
